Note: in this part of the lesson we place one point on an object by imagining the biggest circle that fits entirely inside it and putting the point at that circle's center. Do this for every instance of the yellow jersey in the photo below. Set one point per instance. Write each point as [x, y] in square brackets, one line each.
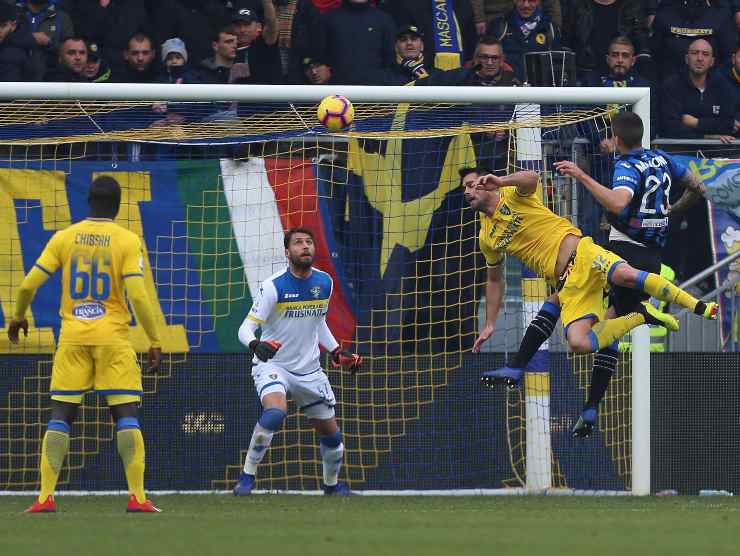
[96, 256]
[523, 226]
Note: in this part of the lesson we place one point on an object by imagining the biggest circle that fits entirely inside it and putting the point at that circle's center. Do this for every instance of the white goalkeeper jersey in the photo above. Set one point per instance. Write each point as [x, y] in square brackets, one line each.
[293, 311]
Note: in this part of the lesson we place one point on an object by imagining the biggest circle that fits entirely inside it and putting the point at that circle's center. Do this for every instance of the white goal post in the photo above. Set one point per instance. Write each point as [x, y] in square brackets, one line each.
[638, 98]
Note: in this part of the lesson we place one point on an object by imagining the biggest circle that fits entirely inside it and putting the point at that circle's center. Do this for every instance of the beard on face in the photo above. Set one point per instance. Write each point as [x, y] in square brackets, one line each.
[299, 262]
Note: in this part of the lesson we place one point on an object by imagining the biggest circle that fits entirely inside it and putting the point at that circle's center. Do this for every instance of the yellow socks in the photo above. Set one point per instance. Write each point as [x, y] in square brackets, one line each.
[53, 451]
[606, 332]
[662, 289]
[131, 449]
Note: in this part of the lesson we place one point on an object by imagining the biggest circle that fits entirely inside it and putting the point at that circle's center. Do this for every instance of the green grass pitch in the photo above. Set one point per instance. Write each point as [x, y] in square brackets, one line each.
[284, 525]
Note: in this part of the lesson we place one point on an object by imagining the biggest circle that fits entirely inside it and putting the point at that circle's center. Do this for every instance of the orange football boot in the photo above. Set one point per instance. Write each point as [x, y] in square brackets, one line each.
[46, 507]
[134, 506]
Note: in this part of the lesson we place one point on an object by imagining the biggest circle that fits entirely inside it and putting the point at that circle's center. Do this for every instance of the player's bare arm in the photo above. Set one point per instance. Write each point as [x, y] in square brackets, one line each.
[613, 200]
[695, 190]
[495, 288]
[525, 182]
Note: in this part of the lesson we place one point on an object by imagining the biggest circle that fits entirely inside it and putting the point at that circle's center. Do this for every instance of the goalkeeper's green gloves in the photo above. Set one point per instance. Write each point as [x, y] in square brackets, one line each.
[264, 350]
[344, 358]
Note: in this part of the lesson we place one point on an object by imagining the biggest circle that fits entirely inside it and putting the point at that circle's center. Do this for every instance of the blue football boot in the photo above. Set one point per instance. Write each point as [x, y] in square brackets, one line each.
[584, 427]
[245, 485]
[339, 489]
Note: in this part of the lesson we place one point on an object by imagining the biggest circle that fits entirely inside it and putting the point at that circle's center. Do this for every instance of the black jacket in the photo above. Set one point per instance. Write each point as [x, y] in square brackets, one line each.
[191, 20]
[124, 74]
[356, 41]
[579, 25]
[111, 27]
[675, 27]
[469, 77]
[62, 74]
[715, 107]
[13, 63]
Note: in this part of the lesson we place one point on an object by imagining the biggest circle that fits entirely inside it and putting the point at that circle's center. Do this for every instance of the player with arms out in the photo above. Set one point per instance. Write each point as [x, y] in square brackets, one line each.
[98, 259]
[637, 207]
[291, 311]
[514, 220]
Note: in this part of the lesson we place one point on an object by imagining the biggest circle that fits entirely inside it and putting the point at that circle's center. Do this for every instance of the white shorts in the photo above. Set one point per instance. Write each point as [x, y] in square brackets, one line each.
[311, 392]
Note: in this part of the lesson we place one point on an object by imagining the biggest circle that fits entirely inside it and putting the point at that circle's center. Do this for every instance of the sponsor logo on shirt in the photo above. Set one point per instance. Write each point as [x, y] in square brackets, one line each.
[290, 296]
[89, 311]
[626, 178]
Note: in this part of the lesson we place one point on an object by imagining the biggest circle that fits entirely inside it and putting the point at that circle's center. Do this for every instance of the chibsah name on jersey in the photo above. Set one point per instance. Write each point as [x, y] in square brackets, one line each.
[93, 240]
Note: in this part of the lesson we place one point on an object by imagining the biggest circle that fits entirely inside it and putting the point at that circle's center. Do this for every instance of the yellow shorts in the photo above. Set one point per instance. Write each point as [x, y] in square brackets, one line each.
[112, 371]
[582, 295]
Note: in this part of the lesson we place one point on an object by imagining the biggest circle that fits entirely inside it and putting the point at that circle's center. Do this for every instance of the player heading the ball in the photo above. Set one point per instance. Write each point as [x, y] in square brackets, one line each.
[514, 220]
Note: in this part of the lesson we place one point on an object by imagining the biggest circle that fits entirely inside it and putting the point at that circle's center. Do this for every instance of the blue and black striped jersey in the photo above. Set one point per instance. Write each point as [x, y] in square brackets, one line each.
[648, 174]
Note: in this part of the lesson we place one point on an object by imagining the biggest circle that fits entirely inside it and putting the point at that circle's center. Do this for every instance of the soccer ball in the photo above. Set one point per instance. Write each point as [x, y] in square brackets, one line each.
[335, 112]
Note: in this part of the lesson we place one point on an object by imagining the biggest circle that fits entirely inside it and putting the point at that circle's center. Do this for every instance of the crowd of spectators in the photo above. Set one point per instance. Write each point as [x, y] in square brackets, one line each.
[685, 50]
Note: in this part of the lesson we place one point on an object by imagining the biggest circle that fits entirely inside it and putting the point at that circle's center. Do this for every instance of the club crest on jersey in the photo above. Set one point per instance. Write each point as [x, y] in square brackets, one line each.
[89, 311]
[273, 376]
[506, 211]
[315, 291]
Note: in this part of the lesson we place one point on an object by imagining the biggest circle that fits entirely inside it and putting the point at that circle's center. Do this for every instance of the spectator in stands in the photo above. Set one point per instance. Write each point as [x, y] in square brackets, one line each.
[356, 40]
[485, 11]
[316, 71]
[298, 21]
[97, 70]
[191, 20]
[696, 103]
[620, 72]
[489, 69]
[13, 59]
[256, 44]
[222, 66]
[72, 62]
[110, 24]
[451, 37]
[679, 22]
[175, 62]
[49, 26]
[410, 63]
[140, 57]
[732, 75]
[592, 24]
[525, 29]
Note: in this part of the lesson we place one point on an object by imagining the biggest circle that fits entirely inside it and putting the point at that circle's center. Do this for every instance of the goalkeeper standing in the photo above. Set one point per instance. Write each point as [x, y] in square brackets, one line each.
[290, 309]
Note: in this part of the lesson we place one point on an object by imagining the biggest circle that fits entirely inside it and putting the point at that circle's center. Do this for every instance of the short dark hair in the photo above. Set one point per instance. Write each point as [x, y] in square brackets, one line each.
[628, 127]
[623, 40]
[139, 36]
[227, 29]
[480, 170]
[293, 231]
[8, 12]
[73, 39]
[105, 196]
[490, 40]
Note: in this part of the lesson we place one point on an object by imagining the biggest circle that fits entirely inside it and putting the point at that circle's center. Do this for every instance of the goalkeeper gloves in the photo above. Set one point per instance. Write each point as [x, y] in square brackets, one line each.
[264, 350]
[344, 358]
